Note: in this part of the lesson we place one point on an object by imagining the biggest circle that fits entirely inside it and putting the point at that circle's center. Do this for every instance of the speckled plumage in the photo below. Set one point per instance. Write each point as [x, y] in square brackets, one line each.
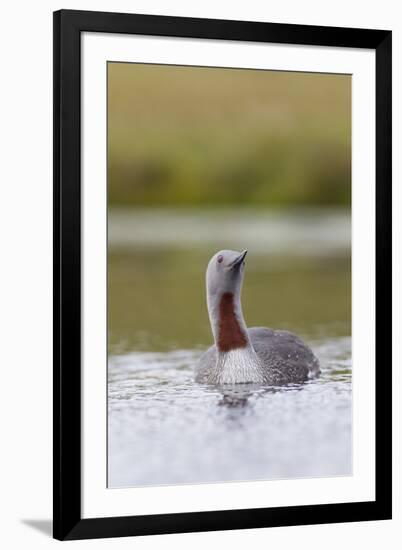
[282, 356]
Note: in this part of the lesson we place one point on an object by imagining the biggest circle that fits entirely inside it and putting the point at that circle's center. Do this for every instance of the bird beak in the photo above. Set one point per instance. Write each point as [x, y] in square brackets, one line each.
[239, 260]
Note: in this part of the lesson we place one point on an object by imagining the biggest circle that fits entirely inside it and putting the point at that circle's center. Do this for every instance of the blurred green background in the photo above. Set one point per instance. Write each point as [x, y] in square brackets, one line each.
[203, 159]
[190, 136]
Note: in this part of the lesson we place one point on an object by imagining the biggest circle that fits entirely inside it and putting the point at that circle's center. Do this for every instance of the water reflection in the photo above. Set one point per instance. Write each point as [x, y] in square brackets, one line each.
[238, 395]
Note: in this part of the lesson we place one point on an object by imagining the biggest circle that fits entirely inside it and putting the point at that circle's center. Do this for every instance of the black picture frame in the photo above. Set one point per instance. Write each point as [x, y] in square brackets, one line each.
[68, 522]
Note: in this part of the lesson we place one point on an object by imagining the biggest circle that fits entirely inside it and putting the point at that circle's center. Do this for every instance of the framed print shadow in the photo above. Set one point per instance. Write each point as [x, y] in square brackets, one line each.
[222, 274]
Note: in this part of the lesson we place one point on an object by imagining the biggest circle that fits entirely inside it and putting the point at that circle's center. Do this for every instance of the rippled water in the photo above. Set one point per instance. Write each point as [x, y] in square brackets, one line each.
[166, 429]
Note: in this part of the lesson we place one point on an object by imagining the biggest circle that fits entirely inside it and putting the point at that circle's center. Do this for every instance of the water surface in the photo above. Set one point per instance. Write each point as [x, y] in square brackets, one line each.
[165, 429]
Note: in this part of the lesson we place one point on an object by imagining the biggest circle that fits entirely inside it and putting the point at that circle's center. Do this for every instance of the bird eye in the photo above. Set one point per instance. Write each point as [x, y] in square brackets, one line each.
[220, 259]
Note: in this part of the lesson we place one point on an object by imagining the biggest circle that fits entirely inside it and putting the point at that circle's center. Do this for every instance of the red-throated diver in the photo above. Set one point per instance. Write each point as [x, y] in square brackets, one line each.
[241, 355]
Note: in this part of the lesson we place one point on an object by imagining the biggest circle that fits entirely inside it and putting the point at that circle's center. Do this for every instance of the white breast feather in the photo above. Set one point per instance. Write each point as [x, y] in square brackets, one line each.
[239, 366]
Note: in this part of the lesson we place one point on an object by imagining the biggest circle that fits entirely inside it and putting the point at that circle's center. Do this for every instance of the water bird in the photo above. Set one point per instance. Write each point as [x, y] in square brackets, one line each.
[244, 355]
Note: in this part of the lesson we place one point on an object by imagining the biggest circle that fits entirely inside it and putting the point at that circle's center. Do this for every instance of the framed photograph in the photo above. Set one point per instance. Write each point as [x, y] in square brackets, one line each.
[222, 274]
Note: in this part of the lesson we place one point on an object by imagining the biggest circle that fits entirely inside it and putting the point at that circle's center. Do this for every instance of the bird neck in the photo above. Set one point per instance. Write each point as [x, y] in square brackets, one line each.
[236, 359]
[227, 323]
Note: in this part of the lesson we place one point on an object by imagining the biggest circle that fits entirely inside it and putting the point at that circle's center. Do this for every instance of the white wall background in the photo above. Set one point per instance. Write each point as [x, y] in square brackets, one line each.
[26, 269]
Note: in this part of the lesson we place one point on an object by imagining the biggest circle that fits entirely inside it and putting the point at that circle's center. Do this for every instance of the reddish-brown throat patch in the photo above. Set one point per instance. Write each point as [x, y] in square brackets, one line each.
[230, 334]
